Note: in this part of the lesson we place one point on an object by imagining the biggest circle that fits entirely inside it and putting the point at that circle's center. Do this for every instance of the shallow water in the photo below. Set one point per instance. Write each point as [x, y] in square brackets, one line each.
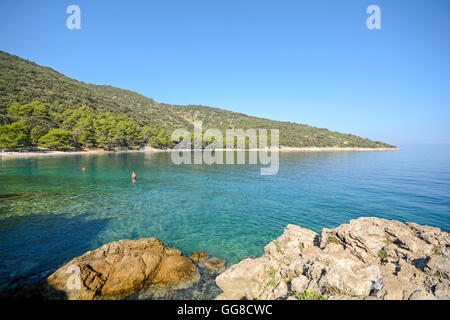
[52, 211]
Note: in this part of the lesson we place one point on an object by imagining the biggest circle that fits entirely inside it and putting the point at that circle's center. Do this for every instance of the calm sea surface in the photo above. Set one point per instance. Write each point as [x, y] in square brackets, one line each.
[52, 211]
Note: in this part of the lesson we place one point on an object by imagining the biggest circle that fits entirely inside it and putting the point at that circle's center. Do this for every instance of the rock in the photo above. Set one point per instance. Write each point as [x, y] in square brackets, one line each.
[442, 290]
[244, 280]
[438, 266]
[421, 295]
[280, 291]
[368, 258]
[197, 257]
[394, 289]
[292, 242]
[299, 284]
[342, 297]
[177, 271]
[215, 264]
[119, 268]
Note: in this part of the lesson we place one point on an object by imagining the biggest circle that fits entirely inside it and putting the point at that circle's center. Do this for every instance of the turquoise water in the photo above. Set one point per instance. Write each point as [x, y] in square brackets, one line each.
[51, 211]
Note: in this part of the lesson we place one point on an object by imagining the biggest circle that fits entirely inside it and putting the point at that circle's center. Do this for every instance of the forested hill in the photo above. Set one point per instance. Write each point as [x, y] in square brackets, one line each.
[40, 107]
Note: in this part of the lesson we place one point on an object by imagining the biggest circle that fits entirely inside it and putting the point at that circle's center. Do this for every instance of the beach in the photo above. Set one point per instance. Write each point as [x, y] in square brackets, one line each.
[43, 153]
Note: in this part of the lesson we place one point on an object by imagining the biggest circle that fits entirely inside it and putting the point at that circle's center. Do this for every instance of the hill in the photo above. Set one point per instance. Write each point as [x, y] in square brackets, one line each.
[40, 107]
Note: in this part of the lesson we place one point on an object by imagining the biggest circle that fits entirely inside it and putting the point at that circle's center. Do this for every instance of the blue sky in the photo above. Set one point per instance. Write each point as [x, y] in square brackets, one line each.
[312, 62]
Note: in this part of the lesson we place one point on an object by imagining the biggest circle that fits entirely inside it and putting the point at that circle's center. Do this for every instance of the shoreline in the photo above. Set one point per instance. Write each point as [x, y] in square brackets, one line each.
[366, 258]
[36, 153]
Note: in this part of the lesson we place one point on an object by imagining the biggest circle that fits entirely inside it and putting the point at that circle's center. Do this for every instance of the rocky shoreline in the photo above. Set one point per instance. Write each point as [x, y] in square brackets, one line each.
[143, 269]
[368, 258]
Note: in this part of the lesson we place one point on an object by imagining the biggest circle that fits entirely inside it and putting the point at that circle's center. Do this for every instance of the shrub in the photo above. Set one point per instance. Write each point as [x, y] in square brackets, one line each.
[272, 272]
[271, 283]
[382, 254]
[436, 251]
[310, 295]
[333, 239]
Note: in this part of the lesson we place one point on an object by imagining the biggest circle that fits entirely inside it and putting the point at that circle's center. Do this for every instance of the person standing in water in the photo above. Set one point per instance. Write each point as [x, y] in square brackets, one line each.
[133, 176]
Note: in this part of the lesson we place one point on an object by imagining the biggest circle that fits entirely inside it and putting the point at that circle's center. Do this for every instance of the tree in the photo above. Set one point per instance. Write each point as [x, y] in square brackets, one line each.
[35, 109]
[162, 140]
[84, 133]
[37, 132]
[127, 134]
[104, 124]
[34, 117]
[57, 139]
[14, 136]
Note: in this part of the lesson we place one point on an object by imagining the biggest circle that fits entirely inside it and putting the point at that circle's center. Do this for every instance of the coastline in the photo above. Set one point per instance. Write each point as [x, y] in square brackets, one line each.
[366, 258]
[35, 153]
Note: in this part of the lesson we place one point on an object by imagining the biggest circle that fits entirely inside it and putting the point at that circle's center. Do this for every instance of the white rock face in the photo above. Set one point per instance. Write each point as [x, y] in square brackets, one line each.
[243, 280]
[368, 258]
[299, 284]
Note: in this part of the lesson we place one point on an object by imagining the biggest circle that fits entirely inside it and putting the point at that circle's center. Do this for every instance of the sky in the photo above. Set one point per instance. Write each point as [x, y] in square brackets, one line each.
[312, 62]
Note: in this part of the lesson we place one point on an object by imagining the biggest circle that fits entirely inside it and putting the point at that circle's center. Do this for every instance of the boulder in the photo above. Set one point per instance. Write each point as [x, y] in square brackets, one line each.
[118, 269]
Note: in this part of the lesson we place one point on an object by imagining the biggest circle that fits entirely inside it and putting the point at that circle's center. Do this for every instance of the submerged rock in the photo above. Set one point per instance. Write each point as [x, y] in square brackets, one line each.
[369, 258]
[215, 264]
[198, 256]
[120, 268]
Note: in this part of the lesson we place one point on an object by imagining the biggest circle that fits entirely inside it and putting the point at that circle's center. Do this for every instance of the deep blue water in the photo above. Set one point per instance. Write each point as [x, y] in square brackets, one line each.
[51, 211]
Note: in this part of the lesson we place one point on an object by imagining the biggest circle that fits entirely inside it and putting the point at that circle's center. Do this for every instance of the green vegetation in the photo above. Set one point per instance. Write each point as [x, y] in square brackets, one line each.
[283, 260]
[382, 254]
[333, 239]
[332, 290]
[36, 100]
[310, 295]
[435, 250]
[14, 136]
[39, 125]
[272, 272]
[301, 246]
[277, 245]
[271, 283]
[56, 139]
